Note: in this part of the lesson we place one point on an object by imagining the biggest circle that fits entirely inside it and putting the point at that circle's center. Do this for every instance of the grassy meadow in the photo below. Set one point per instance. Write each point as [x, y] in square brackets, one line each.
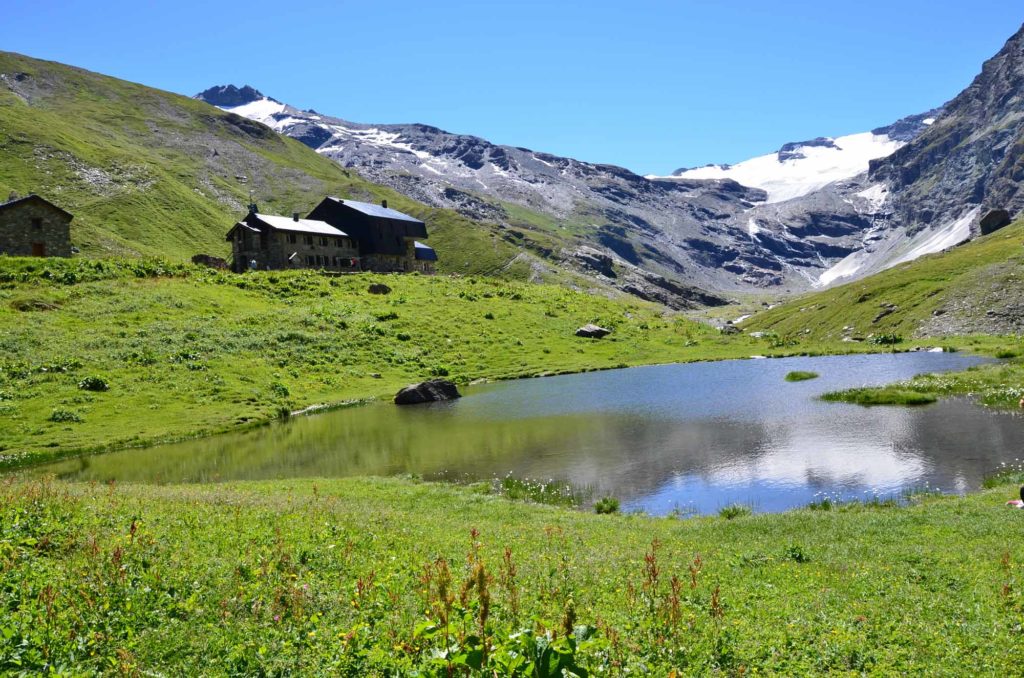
[396, 577]
[105, 354]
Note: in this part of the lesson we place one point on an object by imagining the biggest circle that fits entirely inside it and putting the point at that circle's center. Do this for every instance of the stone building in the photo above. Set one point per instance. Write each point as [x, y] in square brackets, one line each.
[34, 227]
[265, 241]
[385, 236]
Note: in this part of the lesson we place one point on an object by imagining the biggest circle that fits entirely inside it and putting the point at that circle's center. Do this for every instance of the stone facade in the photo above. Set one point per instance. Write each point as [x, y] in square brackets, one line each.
[256, 239]
[34, 227]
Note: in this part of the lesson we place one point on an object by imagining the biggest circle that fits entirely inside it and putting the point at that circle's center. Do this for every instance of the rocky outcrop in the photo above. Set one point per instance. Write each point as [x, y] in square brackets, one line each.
[993, 221]
[427, 392]
[229, 95]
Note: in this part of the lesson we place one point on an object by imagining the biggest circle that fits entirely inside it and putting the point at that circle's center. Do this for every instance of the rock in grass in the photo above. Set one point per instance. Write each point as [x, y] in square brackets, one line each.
[378, 288]
[427, 392]
[592, 331]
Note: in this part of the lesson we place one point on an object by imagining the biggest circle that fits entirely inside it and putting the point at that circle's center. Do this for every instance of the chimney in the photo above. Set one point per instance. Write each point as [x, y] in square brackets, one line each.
[252, 208]
[384, 204]
[295, 216]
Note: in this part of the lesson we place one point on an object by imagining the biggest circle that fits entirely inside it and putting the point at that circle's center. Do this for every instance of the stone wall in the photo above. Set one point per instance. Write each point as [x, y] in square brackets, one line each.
[34, 228]
[246, 247]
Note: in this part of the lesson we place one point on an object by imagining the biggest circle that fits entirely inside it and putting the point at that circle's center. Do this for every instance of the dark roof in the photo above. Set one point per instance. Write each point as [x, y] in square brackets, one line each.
[375, 210]
[425, 252]
[33, 196]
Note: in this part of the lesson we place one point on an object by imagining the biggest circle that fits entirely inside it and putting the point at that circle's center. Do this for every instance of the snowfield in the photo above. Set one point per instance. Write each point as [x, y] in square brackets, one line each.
[799, 176]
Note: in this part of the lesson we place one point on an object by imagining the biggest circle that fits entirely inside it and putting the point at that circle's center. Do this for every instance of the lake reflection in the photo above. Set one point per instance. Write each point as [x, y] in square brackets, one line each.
[690, 437]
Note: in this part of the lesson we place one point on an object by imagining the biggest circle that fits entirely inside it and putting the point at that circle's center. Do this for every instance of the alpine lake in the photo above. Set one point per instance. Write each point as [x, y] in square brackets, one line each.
[687, 438]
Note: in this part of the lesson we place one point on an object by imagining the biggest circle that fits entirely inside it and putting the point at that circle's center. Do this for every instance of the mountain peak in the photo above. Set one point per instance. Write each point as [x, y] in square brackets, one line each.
[230, 95]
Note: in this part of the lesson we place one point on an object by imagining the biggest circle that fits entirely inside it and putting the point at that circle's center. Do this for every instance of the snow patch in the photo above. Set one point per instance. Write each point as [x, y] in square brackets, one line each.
[752, 228]
[876, 195]
[799, 176]
[847, 267]
[261, 110]
[935, 240]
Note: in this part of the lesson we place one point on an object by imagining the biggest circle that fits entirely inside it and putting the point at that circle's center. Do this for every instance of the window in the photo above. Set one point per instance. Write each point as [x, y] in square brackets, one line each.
[325, 241]
[292, 238]
[308, 239]
[309, 260]
[37, 223]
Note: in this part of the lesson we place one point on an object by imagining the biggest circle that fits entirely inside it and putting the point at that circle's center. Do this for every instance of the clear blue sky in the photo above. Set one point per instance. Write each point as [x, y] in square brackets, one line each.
[650, 85]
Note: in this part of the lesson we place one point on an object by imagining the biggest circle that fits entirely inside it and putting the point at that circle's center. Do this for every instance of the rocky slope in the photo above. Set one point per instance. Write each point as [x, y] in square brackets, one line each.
[972, 158]
[648, 235]
[812, 214]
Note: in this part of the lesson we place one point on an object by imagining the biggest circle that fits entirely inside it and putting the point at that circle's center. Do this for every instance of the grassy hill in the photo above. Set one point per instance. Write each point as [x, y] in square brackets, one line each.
[976, 288]
[148, 172]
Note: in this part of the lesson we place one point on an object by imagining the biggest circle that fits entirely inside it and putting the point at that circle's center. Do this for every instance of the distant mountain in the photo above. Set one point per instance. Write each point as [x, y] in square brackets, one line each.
[811, 214]
[932, 192]
[648, 235]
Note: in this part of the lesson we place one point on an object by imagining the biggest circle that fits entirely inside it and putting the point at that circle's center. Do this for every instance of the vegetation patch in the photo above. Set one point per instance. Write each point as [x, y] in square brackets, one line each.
[392, 577]
[798, 375]
[885, 395]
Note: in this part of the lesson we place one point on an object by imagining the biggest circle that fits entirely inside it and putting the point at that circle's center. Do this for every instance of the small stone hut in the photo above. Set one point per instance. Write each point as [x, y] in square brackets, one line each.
[34, 227]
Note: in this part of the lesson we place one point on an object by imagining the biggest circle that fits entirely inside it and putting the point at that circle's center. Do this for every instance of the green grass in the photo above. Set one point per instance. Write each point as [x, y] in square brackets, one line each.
[882, 395]
[348, 577]
[186, 351]
[961, 283]
[800, 375]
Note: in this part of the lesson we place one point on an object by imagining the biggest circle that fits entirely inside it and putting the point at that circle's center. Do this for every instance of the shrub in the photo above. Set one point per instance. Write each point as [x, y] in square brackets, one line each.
[279, 390]
[886, 339]
[402, 336]
[488, 316]
[606, 505]
[797, 554]
[62, 416]
[734, 511]
[93, 384]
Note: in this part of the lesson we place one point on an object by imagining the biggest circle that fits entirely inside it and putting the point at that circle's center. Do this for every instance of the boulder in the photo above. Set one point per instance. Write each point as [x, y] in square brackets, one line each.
[993, 221]
[427, 392]
[592, 331]
[378, 288]
[729, 328]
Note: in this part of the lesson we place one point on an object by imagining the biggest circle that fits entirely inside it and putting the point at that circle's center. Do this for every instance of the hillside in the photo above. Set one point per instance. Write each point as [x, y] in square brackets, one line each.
[152, 173]
[976, 288]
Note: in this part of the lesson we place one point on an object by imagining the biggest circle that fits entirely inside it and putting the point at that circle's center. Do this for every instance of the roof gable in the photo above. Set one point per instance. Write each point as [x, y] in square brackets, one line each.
[36, 198]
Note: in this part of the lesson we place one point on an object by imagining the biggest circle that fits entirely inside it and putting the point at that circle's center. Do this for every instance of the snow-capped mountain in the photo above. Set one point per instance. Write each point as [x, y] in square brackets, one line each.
[813, 213]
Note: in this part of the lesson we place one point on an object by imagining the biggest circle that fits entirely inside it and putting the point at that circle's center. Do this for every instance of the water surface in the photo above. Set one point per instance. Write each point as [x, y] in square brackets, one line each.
[692, 437]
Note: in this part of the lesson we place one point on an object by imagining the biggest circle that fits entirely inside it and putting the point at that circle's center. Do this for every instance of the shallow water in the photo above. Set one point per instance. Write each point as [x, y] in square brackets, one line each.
[692, 437]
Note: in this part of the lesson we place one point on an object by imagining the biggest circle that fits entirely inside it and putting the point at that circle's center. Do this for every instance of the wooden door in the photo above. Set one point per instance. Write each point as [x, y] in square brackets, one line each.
[38, 249]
